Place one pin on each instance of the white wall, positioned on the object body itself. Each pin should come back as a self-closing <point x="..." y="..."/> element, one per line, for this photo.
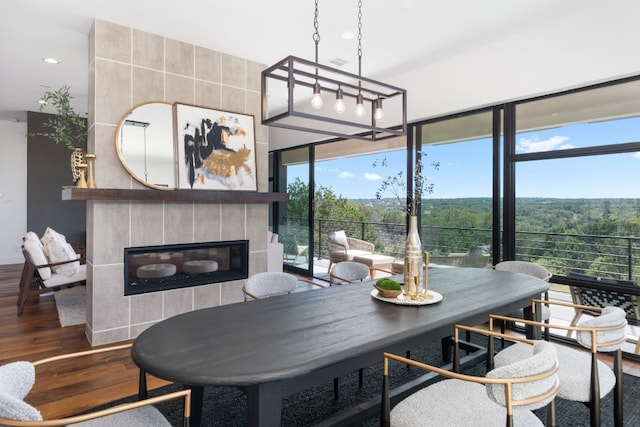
<point x="13" y="190"/>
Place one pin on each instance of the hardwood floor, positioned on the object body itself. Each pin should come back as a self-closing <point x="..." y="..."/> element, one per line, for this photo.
<point x="66" y="388"/>
<point x="62" y="388"/>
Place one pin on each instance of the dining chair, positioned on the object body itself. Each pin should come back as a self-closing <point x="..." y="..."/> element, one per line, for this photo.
<point x="348" y="272"/>
<point x="18" y="378"/>
<point x="583" y="377"/>
<point x="505" y="396"/>
<point x="530" y="269"/>
<point x="272" y="283"/>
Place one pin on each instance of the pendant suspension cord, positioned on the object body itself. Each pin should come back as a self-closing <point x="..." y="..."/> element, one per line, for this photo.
<point x="359" y="45"/>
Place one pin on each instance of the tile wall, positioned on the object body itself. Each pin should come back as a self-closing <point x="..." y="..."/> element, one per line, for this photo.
<point x="128" y="67"/>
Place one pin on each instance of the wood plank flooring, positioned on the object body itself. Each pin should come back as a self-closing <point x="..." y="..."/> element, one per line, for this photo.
<point x="62" y="388"/>
<point x="66" y="388"/>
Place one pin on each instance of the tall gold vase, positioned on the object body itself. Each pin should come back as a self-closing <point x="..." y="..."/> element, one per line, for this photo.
<point x="77" y="159"/>
<point x="413" y="260"/>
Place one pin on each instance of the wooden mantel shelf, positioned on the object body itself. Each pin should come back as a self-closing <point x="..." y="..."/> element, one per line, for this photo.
<point x="115" y="194"/>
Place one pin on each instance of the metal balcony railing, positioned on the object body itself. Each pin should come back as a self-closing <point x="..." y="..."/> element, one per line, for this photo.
<point x="616" y="257"/>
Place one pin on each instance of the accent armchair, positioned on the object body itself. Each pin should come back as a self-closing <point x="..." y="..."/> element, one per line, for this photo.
<point x="39" y="275"/>
<point x="343" y="248"/>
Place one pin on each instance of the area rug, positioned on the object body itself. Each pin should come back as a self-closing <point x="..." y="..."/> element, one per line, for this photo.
<point x="70" y="303"/>
<point x="226" y="406"/>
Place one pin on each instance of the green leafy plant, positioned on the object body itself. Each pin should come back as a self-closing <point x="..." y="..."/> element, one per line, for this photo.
<point x="409" y="201"/>
<point x="66" y="126"/>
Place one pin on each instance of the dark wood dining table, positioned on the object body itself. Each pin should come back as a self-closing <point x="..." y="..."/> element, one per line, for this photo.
<point x="274" y="347"/>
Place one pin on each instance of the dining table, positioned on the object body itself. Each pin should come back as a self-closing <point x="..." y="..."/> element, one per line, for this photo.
<point x="274" y="347"/>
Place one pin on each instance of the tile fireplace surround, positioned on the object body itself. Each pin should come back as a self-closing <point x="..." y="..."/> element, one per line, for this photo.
<point x="126" y="68"/>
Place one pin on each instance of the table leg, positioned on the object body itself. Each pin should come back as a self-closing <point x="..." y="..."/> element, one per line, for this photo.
<point x="142" y="385"/>
<point x="533" y="332"/>
<point x="264" y="404"/>
<point x="197" y="396"/>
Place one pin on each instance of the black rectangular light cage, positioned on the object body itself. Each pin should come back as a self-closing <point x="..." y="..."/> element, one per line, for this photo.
<point x="288" y="85"/>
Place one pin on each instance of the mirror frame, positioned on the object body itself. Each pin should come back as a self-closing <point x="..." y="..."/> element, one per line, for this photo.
<point x="131" y="173"/>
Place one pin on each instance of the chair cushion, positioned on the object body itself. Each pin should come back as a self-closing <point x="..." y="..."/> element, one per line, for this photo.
<point x="145" y="416"/>
<point x="30" y="235"/>
<point x="573" y="371"/>
<point x="544" y="357"/>
<point x="57" y="249"/>
<point x="36" y="254"/>
<point x="456" y="403"/>
<point x="339" y="237"/>
<point x="16" y="380"/>
<point x="60" y="279"/>
<point x="610" y="316"/>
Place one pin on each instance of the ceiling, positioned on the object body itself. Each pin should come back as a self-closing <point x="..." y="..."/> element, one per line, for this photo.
<point x="396" y="35"/>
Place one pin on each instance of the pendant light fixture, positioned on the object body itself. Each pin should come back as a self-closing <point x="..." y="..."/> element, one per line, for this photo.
<point x="301" y="84"/>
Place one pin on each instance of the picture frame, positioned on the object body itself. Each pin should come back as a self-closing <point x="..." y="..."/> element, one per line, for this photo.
<point x="215" y="149"/>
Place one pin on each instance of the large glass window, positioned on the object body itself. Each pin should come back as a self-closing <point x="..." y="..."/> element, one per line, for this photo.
<point x="457" y="217"/>
<point x="294" y="225"/>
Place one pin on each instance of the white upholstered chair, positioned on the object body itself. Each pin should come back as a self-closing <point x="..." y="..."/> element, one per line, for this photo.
<point x="530" y="269"/>
<point x="583" y="377"/>
<point x="273" y="283"/>
<point x="348" y="272"/>
<point x="505" y="396"/>
<point x="17" y="379"/>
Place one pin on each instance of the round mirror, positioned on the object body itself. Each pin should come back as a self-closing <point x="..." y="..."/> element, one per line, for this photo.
<point x="144" y="143"/>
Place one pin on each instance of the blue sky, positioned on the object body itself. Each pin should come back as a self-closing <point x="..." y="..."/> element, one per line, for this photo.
<point x="465" y="168"/>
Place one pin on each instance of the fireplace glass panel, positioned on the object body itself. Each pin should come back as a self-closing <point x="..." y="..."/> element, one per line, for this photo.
<point x="159" y="268"/>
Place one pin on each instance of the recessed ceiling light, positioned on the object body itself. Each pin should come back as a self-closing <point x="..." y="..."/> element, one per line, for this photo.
<point x="347" y="35"/>
<point x="51" y="60"/>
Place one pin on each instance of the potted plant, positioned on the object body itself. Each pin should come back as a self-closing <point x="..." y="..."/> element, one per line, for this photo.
<point x="66" y="126"/>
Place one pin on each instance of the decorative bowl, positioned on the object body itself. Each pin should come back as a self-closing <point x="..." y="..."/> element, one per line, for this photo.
<point x="386" y="293"/>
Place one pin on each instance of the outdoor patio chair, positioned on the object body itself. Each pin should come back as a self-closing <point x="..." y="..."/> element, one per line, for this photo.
<point x="583" y="377"/>
<point x="343" y="248"/>
<point x="292" y="250"/>
<point x="506" y="395"/>
<point x="17" y="379"/>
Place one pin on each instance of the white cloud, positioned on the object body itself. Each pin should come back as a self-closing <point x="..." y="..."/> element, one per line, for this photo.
<point x="534" y="145"/>
<point x="372" y="177"/>
<point x="346" y="175"/>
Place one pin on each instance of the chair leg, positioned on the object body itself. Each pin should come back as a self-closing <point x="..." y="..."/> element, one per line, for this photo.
<point x="360" y="377"/>
<point x="617" y="397"/>
<point x="594" y="404"/>
<point x="336" y="387"/>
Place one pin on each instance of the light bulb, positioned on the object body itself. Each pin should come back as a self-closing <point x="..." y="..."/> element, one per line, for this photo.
<point x="316" y="99"/>
<point x="379" y="113"/>
<point x="339" y="106"/>
<point x="360" y="105"/>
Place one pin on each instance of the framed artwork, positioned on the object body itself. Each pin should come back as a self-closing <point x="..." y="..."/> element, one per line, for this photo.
<point x="216" y="149"/>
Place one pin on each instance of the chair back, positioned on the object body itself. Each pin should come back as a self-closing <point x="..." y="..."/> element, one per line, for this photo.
<point x="524" y="267"/>
<point x="539" y="383"/>
<point x="268" y="284"/>
<point x="348" y="272"/>
<point x="612" y="323"/>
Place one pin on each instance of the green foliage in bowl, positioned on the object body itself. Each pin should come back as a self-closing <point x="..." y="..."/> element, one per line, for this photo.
<point x="388" y="284"/>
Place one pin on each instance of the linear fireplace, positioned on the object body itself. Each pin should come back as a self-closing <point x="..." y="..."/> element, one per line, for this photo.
<point x="159" y="268"/>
